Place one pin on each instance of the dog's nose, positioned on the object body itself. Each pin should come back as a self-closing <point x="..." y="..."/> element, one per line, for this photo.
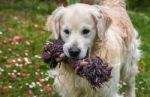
<point x="74" y="51"/>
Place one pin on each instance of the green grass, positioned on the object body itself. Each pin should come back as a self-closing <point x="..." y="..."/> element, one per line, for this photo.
<point x="141" y="21"/>
<point x="28" y="21"/>
<point x="29" y="24"/>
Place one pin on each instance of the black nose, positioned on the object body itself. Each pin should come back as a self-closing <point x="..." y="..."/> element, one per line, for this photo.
<point x="74" y="51"/>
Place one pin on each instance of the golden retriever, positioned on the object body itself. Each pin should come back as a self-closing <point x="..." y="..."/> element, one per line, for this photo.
<point x="96" y="30"/>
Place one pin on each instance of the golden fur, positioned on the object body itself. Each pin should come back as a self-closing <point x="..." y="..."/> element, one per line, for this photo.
<point x="118" y="46"/>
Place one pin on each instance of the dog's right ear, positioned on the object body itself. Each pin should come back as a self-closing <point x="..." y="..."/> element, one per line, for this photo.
<point x="102" y="20"/>
<point x="53" y="22"/>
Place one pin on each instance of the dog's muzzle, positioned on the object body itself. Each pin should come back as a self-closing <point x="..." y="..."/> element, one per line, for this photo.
<point x="74" y="52"/>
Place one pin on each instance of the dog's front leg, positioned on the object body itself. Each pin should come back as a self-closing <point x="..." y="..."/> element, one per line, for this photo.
<point x="130" y="80"/>
<point x="115" y="81"/>
<point x="130" y="92"/>
<point x="111" y="88"/>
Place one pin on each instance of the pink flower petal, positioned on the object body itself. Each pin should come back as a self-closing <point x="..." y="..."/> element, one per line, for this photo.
<point x="16" y="38"/>
<point x="46" y="88"/>
<point x="41" y="81"/>
<point x="30" y="92"/>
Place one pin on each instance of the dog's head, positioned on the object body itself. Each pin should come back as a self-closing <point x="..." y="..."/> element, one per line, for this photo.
<point x="77" y="25"/>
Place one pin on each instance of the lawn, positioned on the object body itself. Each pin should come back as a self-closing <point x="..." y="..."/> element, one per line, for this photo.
<point x="22" y="36"/>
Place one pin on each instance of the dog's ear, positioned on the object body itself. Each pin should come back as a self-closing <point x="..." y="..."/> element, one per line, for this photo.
<point x="53" y="22"/>
<point x="103" y="21"/>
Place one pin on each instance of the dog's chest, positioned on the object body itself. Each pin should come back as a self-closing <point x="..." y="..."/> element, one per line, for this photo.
<point x="68" y="84"/>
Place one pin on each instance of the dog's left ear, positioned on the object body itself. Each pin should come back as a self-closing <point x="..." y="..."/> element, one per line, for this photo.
<point x="103" y="22"/>
<point x="53" y="22"/>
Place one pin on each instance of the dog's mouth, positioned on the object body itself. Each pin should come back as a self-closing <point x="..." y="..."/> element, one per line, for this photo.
<point x="87" y="54"/>
<point x="93" y="69"/>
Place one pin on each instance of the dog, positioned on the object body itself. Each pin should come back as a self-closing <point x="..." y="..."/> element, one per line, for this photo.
<point x="103" y="30"/>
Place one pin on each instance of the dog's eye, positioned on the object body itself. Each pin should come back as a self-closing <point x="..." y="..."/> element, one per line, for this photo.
<point x="67" y="31"/>
<point x="85" y="31"/>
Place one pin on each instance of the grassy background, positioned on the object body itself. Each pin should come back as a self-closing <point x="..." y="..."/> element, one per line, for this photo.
<point x="21" y="70"/>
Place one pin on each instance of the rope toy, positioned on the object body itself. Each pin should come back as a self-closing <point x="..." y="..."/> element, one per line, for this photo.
<point x="94" y="70"/>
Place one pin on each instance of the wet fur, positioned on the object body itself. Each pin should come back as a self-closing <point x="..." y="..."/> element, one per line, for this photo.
<point x="118" y="47"/>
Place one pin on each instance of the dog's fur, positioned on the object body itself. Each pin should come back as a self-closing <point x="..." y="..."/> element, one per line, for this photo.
<point x="112" y="37"/>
